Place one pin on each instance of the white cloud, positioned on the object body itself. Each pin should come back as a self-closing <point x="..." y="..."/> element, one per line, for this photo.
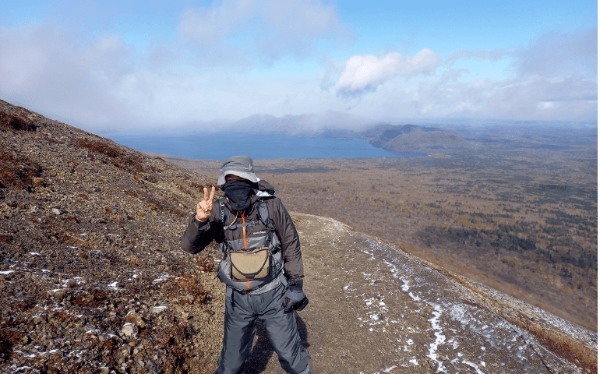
<point x="365" y="73"/>
<point x="560" y="55"/>
<point x="439" y="97"/>
<point x="99" y="82"/>
<point x="545" y="99"/>
<point x="264" y="31"/>
<point x="232" y="60"/>
<point x="211" y="25"/>
<point x="556" y="77"/>
<point x="103" y="86"/>
<point x="45" y="67"/>
<point x="553" y="78"/>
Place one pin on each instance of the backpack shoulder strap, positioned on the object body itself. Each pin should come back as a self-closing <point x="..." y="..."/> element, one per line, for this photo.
<point x="263" y="214"/>
<point x="221" y="210"/>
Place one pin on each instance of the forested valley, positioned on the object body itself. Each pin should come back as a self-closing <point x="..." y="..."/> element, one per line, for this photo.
<point x="516" y="211"/>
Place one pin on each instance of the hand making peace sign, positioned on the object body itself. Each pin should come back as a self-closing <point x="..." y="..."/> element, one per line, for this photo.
<point x="204" y="207"/>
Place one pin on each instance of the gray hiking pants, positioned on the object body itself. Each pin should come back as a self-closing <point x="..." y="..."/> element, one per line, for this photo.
<point x="241" y="313"/>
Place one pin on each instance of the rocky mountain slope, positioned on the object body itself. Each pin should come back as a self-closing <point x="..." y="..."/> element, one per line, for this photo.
<point x="93" y="280"/>
<point x="92" y="277"/>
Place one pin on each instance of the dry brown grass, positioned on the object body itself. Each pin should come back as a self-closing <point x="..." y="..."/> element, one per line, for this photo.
<point x="563" y="346"/>
<point x="18" y="172"/>
<point x="113" y="152"/>
<point x="16" y="122"/>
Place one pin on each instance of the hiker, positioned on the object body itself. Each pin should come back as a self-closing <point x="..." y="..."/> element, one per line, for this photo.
<point x="261" y="267"/>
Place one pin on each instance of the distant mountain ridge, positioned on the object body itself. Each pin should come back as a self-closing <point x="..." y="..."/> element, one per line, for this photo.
<point x="395" y="138"/>
<point x="441" y="138"/>
<point x="413" y="138"/>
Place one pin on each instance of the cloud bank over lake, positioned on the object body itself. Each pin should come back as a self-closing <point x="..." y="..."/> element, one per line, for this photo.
<point x="111" y="65"/>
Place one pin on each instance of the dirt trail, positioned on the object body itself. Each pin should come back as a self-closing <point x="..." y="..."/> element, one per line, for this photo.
<point x="373" y="312"/>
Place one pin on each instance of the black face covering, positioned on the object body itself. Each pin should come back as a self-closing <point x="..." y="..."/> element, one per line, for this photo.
<point x="239" y="193"/>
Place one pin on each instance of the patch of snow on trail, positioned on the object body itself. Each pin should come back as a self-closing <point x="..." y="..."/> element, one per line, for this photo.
<point x="405" y="286"/>
<point x="377" y="309"/>
<point x="414" y="297"/>
<point x="393" y="269"/>
<point x="440" y="338"/>
<point x="474" y="366"/>
<point x="405" y="283"/>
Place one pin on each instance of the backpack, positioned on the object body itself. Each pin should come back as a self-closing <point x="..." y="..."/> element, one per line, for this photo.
<point x="249" y="265"/>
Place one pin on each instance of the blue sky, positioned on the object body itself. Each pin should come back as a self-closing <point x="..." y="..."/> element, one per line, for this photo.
<point x="110" y="65"/>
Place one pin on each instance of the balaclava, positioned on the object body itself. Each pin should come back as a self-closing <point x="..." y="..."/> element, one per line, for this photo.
<point x="239" y="193"/>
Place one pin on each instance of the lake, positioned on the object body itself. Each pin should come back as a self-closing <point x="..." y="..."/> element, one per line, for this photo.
<point x="258" y="146"/>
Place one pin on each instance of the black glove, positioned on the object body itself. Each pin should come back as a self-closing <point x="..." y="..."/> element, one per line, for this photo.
<point x="294" y="297"/>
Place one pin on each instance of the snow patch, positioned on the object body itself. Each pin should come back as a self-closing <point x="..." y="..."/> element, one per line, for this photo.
<point x="113" y="285"/>
<point x="158" y="309"/>
<point x="474" y="366"/>
<point x="393" y="269"/>
<point x="405" y="286"/>
<point x="414" y="297"/>
<point x="376" y="311"/>
<point x="160" y="279"/>
<point x="440" y="338"/>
